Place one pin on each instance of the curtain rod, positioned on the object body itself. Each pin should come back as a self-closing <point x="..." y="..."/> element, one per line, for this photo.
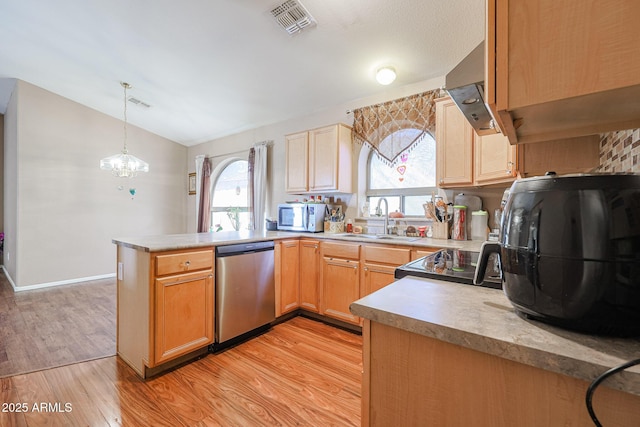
<point x="267" y="143"/>
<point x="441" y="89"/>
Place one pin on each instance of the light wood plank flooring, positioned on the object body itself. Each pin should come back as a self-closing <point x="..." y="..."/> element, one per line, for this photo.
<point x="300" y="373"/>
<point x="52" y="327"/>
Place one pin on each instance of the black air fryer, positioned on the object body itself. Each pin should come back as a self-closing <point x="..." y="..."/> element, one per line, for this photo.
<point x="570" y="251"/>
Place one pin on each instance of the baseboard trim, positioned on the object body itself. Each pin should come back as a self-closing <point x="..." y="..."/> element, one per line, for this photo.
<point x="53" y="284"/>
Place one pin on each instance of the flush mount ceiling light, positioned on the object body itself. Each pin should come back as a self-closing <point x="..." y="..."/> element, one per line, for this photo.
<point x="293" y="17"/>
<point x="386" y="75"/>
<point x="124" y="165"/>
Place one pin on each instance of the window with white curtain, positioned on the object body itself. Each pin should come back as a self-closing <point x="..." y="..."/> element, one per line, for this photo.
<point x="229" y="198"/>
<point x="409" y="182"/>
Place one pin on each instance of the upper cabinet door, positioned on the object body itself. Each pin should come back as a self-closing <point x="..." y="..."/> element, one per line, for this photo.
<point x="321" y="158"/>
<point x="297" y="158"/>
<point x="324" y="158"/>
<point x="560" y="69"/>
<point x="495" y="159"/>
<point x="454" y="138"/>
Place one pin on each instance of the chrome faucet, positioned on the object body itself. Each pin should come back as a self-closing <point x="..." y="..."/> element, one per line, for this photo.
<point x="386" y="214"/>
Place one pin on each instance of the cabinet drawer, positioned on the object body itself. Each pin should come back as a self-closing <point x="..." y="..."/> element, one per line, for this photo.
<point x="387" y="255"/>
<point x="183" y="261"/>
<point x="340" y="250"/>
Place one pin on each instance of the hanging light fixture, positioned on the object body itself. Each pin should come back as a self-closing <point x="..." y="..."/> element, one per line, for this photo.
<point x="124" y="165"/>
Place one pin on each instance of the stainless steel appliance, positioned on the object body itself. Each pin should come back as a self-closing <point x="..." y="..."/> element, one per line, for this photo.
<point x="465" y="84"/>
<point x="569" y="248"/>
<point x="307" y="217"/>
<point x="451" y="265"/>
<point x="245" y="290"/>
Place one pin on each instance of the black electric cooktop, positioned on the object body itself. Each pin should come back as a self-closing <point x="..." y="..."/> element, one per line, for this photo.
<point x="452" y="265"/>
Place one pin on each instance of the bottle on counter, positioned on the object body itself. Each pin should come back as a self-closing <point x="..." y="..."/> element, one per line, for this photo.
<point x="349" y="226"/>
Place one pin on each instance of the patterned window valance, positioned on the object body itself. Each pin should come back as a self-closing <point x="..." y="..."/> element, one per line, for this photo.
<point x="377" y="125"/>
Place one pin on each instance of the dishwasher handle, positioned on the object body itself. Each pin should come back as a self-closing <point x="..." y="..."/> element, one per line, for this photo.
<point x="243" y="248"/>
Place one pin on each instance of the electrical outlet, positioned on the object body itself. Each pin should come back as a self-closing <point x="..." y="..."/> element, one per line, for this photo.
<point x="8" y="256"/>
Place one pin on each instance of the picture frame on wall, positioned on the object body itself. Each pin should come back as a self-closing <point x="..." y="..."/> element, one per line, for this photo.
<point x="192" y="183"/>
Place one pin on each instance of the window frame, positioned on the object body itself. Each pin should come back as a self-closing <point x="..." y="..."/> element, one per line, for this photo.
<point x="219" y="171"/>
<point x="402" y="193"/>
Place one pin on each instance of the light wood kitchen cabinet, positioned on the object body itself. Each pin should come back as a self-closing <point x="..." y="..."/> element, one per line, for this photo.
<point x="379" y="266"/>
<point x="296" y="173"/>
<point x="419" y="253"/>
<point x="466" y="159"/>
<point x="573" y="155"/>
<point x="326" y="276"/>
<point x="496" y="161"/>
<point x="166" y="304"/>
<point x="340" y="280"/>
<point x="289" y="276"/>
<point x="547" y="79"/>
<point x="454" y="142"/>
<point x="440" y="383"/>
<point x="309" y="274"/>
<point x="319" y="160"/>
<point x="183" y="314"/>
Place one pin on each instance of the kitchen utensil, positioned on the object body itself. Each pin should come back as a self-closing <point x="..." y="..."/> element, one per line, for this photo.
<point x="430" y="211"/>
<point x="569" y="251"/>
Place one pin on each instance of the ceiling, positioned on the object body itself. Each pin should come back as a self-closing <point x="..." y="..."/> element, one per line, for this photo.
<point x="211" y="68"/>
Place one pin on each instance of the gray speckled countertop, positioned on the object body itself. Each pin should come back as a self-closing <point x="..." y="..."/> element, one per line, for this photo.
<point x="171" y="242"/>
<point x="483" y="319"/>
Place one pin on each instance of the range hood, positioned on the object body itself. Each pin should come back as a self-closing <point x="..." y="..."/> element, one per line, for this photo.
<point x="465" y="84"/>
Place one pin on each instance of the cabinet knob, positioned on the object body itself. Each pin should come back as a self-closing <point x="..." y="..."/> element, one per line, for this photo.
<point x="187" y="263"/>
<point x="366" y="269"/>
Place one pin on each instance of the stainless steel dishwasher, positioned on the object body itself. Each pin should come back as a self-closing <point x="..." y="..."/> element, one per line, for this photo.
<point x="245" y="289"/>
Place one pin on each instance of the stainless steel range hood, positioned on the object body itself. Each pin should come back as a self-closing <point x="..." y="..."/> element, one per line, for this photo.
<point x="465" y="84"/>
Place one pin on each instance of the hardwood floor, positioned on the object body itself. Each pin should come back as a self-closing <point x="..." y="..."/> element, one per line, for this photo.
<point x="52" y="327"/>
<point x="300" y="373"/>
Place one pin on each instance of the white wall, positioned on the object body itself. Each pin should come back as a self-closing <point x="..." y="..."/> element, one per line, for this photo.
<point x="276" y="132"/>
<point x="10" y="193"/>
<point x="1" y="173"/>
<point x="61" y="210"/>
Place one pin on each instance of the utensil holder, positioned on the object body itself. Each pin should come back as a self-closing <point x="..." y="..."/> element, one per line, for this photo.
<point x="336" y="227"/>
<point x="440" y="230"/>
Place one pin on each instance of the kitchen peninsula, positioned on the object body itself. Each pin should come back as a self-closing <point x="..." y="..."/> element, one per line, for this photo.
<point x="166" y="285"/>
<point x="442" y="353"/>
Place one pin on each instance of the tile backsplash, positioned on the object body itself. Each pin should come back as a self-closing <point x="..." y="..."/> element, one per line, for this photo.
<point x="620" y="151"/>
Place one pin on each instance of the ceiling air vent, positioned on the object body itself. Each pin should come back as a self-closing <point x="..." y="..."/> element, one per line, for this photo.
<point x="138" y="102"/>
<point x="293" y="17"/>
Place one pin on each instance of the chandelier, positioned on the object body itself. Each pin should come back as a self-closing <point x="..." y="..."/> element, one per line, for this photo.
<point x="124" y="165"/>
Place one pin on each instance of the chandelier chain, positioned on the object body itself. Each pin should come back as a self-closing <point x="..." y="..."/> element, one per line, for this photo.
<point x="125" y="86"/>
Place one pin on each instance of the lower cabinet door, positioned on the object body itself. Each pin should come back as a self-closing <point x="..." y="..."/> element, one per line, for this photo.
<point x="309" y="273"/>
<point x="340" y="287"/>
<point x="376" y="277"/>
<point x="184" y="315"/>
<point x="289" y="276"/>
